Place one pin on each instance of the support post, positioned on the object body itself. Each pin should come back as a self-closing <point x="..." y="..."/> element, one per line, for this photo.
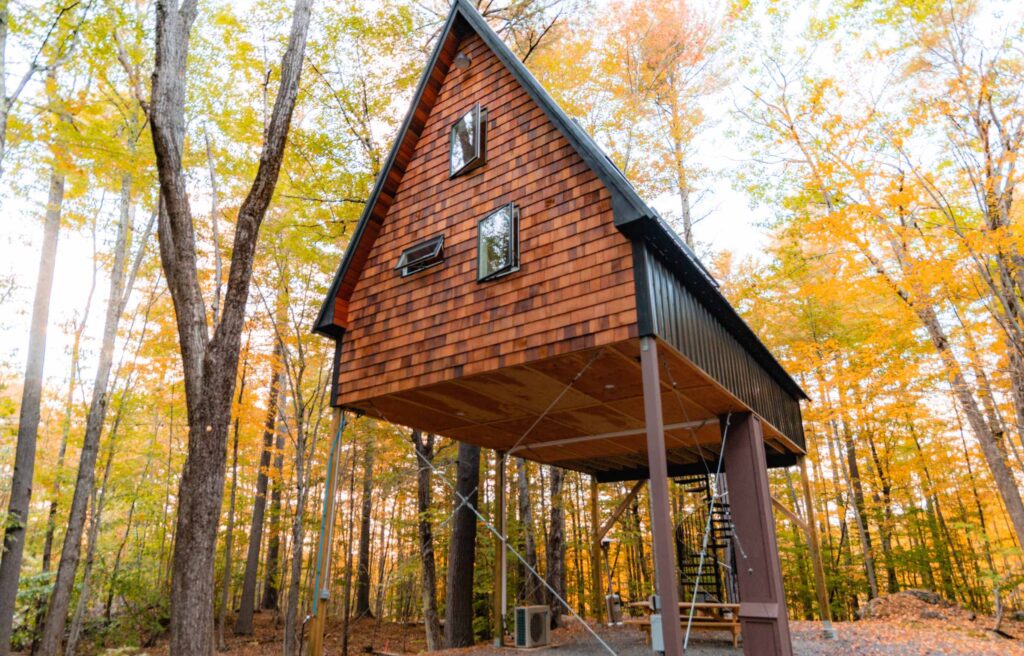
<point x="597" y="598"/>
<point x="321" y="592"/>
<point x="661" y="517"/>
<point x="812" y="539"/>
<point x="762" y="599"/>
<point x="499" y="551"/>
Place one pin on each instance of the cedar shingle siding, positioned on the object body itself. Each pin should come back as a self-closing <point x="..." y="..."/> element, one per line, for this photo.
<point x="575" y="285"/>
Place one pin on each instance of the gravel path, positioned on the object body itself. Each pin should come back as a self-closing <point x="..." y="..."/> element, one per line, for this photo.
<point x="855" y="639"/>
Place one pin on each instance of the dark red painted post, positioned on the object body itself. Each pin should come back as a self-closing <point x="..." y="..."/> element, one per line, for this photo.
<point x="661" y="517"/>
<point x="762" y="599"/>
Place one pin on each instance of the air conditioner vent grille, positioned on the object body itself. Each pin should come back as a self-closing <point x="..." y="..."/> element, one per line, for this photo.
<point x="532" y="625"/>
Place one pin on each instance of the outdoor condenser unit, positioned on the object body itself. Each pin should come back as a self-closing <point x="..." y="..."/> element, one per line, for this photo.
<point x="532" y="625"/>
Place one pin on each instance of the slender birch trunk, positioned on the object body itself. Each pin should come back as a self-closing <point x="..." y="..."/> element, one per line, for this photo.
<point x="60" y="599"/>
<point x="28" y="417"/>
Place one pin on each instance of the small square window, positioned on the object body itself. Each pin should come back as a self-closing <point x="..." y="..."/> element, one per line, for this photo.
<point x="467" y="141"/>
<point x="421" y="256"/>
<point x="498" y="243"/>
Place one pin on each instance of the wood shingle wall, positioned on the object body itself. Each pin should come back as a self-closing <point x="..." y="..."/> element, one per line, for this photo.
<point x="575" y="287"/>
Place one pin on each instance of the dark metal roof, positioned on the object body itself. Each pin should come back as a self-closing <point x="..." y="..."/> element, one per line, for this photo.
<point x="633" y="216"/>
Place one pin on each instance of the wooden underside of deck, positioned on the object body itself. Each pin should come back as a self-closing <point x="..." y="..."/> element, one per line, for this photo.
<point x="595" y="425"/>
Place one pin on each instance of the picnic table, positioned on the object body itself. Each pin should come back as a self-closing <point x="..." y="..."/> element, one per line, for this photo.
<point x="710" y="616"/>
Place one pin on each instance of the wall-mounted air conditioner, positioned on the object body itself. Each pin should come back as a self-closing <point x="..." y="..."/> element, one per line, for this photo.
<point x="532" y="625"/>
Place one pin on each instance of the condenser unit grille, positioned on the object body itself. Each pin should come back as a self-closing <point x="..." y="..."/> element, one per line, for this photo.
<point x="537" y="627"/>
<point x="532" y="623"/>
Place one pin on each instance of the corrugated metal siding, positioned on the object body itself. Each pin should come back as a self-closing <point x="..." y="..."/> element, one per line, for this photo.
<point x="682" y="321"/>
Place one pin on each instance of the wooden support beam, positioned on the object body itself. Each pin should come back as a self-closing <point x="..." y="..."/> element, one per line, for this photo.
<point x="666" y="582"/>
<point x="621" y="508"/>
<point x="790" y="514"/>
<point x="687" y="425"/>
<point x="321" y="592"/>
<point x="812" y="539"/>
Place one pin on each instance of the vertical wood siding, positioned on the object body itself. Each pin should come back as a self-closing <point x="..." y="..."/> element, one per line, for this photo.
<point x="575" y="286"/>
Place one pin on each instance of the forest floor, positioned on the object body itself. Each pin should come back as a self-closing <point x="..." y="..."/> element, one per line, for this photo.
<point x="895" y="625"/>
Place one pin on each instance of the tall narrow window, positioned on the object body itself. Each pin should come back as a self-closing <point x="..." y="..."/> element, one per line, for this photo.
<point x="467" y="141"/>
<point x="498" y="243"/>
<point x="421" y="256"/>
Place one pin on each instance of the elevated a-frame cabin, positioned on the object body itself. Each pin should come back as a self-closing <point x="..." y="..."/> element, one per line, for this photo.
<point x="507" y="287"/>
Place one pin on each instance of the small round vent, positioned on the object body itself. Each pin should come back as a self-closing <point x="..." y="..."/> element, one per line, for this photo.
<point x="536" y="627"/>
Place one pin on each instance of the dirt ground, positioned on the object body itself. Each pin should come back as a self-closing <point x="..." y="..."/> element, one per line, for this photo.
<point x="896" y="625"/>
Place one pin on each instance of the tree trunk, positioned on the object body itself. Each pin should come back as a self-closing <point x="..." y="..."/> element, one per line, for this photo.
<point x="292" y="631"/>
<point x="806" y="592"/>
<point x="382" y="570"/>
<point x="209" y="364"/>
<point x="532" y="590"/>
<point x="270" y="578"/>
<point x="857" y="489"/>
<point x="60" y="599"/>
<point x="28" y="417"/>
<point x="346" y="601"/>
<point x="643" y="566"/>
<point x="425" y="454"/>
<point x="987" y="439"/>
<point x="363" y="568"/>
<point x="98" y="503"/>
<point x="112" y="580"/>
<point x="885" y="526"/>
<point x="556" y="547"/>
<point x="229" y="539"/>
<point x="243" y="623"/>
<point x="65" y="428"/>
<point x="458" y="611"/>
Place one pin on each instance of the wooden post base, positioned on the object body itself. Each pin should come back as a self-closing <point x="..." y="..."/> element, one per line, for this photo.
<point x="762" y="598"/>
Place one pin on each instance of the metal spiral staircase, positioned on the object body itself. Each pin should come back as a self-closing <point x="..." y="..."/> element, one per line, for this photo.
<point x="716" y="579"/>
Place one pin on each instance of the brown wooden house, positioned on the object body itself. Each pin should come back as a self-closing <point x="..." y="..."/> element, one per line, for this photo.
<point x="506" y="286"/>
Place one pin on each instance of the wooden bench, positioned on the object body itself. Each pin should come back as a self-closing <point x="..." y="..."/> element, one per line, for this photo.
<point x="707" y="616"/>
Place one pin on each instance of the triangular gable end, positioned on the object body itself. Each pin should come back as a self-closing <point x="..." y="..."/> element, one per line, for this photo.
<point x="631" y="215"/>
<point x="462" y="19"/>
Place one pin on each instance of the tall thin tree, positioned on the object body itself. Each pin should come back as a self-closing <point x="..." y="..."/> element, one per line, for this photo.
<point x="424" y="445"/>
<point x="210" y="362"/>
<point x="458" y="611"/>
<point x="247" y="605"/>
<point x="363" y="566"/>
<point x="28" y="417"/>
<point x="556" y="547"/>
<point x="121" y="283"/>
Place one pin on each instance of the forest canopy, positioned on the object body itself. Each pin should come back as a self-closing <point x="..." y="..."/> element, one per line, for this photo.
<point x="847" y="172"/>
